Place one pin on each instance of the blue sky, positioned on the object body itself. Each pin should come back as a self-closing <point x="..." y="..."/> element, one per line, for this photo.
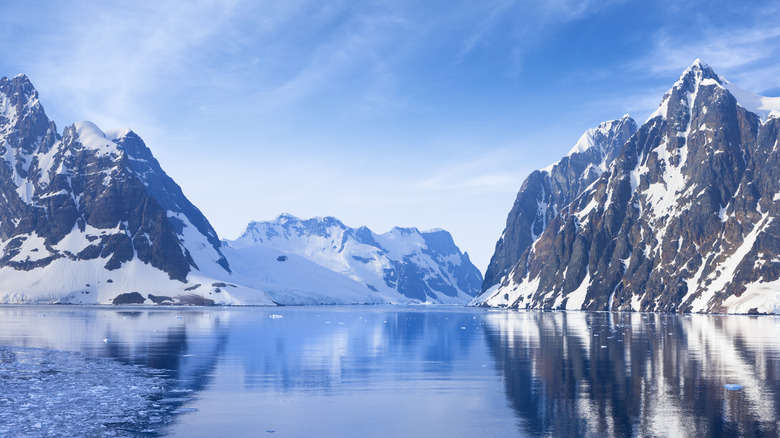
<point x="381" y="113"/>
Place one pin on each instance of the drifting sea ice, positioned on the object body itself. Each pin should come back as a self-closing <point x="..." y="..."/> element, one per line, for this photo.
<point x="59" y="393"/>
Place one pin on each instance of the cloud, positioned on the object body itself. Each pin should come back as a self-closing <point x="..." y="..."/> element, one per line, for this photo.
<point x="108" y="61"/>
<point x="747" y="54"/>
<point x="526" y="22"/>
<point x="495" y="171"/>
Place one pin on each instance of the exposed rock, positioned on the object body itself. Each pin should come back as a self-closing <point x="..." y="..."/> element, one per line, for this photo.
<point x="129" y="298"/>
<point x="85" y="185"/>
<point x="195" y="300"/>
<point x="160" y="299"/>
<point x="683" y="220"/>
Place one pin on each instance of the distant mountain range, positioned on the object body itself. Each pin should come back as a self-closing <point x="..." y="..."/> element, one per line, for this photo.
<point x="677" y="215"/>
<point x="398" y="266"/>
<point x="89" y="216"/>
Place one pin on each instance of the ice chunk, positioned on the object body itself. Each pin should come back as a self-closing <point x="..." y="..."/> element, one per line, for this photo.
<point x="60" y="393"/>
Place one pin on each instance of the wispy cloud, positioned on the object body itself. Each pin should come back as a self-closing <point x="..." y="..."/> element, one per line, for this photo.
<point x="746" y="53"/>
<point x="495" y="171"/>
<point x="101" y="61"/>
<point x="525" y="22"/>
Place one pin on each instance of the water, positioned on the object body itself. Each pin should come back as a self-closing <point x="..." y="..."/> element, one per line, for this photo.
<point x="384" y="372"/>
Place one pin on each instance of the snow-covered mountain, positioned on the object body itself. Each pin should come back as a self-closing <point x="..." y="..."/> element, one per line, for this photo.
<point x="88" y="216"/>
<point x="545" y="192"/>
<point x="683" y="218"/>
<point x="402" y="265"/>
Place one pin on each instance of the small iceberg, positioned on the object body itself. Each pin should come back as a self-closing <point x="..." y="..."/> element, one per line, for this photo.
<point x="733" y="386"/>
<point x="275" y="316"/>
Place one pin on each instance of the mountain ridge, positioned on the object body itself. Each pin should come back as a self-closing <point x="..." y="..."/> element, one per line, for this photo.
<point x="682" y="220"/>
<point x="89" y="216"/>
<point x="402" y="264"/>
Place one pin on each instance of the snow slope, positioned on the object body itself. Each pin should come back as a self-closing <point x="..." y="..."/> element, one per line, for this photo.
<point x="403" y="265"/>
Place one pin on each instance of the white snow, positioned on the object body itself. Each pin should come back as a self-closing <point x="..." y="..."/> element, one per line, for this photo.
<point x="724" y="273"/>
<point x="295" y="280"/>
<point x="577" y="296"/>
<point x="115" y="134"/>
<point x="584" y="143"/>
<point x="91" y="137"/>
<point x="331" y="245"/>
<point x="762" y="296"/>
<point x="765" y="107"/>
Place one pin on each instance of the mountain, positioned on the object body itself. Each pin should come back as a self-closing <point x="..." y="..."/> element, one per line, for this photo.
<point x="545" y="192"/>
<point x="402" y="265"/>
<point x="682" y="220"/>
<point x="88" y="216"/>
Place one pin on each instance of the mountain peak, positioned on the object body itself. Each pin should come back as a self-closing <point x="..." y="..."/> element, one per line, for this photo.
<point x="18" y="96"/>
<point x="286" y="217"/>
<point x="402" y="265"/>
<point x="589" y="138"/>
<point x="18" y="84"/>
<point x="700" y="71"/>
<point x="687" y="88"/>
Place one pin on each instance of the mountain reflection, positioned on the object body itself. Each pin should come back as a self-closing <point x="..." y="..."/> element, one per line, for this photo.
<point x="326" y="349"/>
<point x="601" y="374"/>
<point x="433" y="371"/>
<point x="155" y="342"/>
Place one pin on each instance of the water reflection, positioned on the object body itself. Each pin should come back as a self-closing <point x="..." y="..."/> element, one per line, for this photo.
<point x="378" y="371"/>
<point x="152" y="349"/>
<point x="322" y="349"/>
<point x="601" y="374"/>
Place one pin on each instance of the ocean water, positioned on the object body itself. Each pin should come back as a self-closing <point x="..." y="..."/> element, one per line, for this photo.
<point x="378" y="371"/>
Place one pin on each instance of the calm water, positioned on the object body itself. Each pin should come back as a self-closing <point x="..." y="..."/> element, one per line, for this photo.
<point x="384" y="372"/>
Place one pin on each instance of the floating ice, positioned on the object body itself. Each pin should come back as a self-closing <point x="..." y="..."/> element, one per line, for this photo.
<point x="106" y="340"/>
<point x="275" y="316"/>
<point x="60" y="393"/>
<point x="178" y="316"/>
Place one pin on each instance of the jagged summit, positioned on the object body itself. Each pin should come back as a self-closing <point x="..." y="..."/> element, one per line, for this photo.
<point x="545" y="192"/>
<point x="594" y="137"/>
<point x="684" y="219"/>
<point x="683" y="93"/>
<point x="86" y="207"/>
<point x="402" y="265"/>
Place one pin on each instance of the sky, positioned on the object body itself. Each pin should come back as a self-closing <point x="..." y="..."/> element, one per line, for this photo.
<point x="380" y="113"/>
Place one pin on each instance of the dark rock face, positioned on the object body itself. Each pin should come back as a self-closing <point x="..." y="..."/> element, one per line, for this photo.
<point x="423" y="266"/>
<point x="129" y="298"/>
<point x="195" y="300"/>
<point x="105" y="189"/>
<point x="545" y="192"/>
<point x="160" y="299"/>
<point x="683" y="221"/>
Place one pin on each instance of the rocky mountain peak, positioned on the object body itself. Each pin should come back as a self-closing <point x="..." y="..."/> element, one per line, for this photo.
<point x="683" y="221"/>
<point x="19" y="91"/>
<point x="679" y="101"/>
<point x="23" y="123"/>
<point x="545" y="192"/>
<point x="89" y="205"/>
